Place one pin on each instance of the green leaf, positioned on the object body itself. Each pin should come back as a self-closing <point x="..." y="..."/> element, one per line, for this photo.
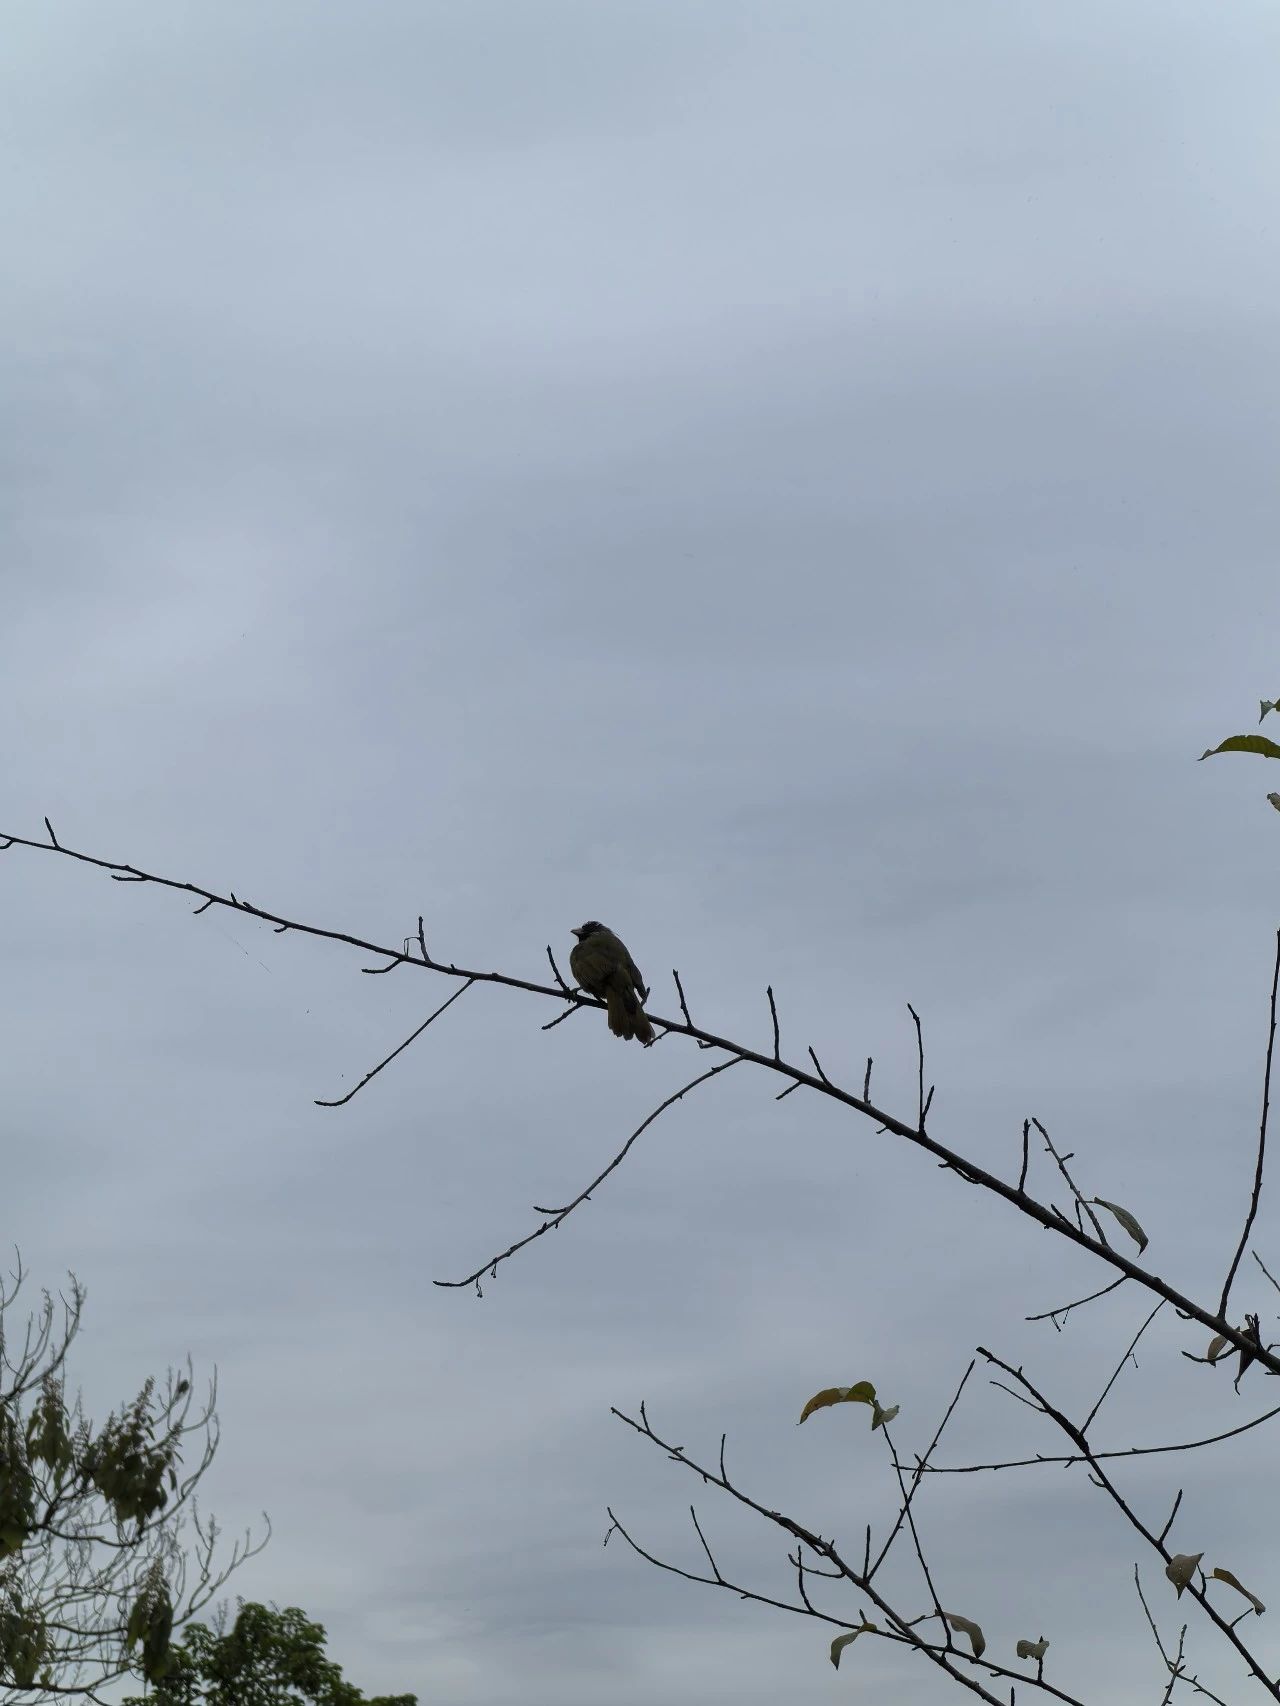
<point x="1244" y="743"/>
<point x="862" y="1393"/>
<point x="1127" y="1221"/>
<point x="1231" y="1581"/>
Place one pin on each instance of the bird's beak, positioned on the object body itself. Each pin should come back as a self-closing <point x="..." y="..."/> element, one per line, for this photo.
<point x="576" y="932"/>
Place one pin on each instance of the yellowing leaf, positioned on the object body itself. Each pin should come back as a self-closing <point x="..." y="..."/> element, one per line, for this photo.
<point x="1231" y="1581"/>
<point x="1217" y="1345"/>
<point x="840" y="1643"/>
<point x="880" y="1417"/>
<point x="1127" y="1221"/>
<point x="1181" y="1568"/>
<point x="863" y="1393"/>
<point x="964" y="1626"/>
<point x="1033" y="1649"/>
<point x="1245" y="743"/>
<point x="846" y="1640"/>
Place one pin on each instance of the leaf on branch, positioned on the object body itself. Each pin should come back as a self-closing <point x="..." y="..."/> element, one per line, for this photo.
<point x="1244" y="743"/>
<point x="843" y="1641"/>
<point x="1181" y="1567"/>
<point x="1217" y="1345"/>
<point x="1275" y="800"/>
<point x="1033" y="1649"/>
<point x="1268" y="705"/>
<point x="880" y="1417"/>
<point x="1127" y="1221"/>
<point x="863" y="1393"/>
<point x="1232" y="1582"/>
<point x="965" y="1626"/>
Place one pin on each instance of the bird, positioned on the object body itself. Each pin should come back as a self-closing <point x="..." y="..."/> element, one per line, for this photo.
<point x="604" y="968"/>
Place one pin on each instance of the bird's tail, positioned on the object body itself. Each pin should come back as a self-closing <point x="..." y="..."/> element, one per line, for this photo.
<point x="627" y="1018"/>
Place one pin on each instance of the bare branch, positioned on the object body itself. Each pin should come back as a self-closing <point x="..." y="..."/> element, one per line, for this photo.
<point x="1133" y="1344"/>
<point x="557" y="1216"/>
<point x="1262" y="1139"/>
<point x="684" y="1008"/>
<point x="920" y="1101"/>
<point x="1064" y="1309"/>
<point x="1103" y="1481"/>
<point x="564" y="987"/>
<point x="1258" y="1259"/>
<point x="918" y="1473"/>
<point x="1043" y="1214"/>
<point x="954" y="1662"/>
<point x="341" y="1101"/>
<point x="1127" y="1451"/>
<point x="1082" y="1203"/>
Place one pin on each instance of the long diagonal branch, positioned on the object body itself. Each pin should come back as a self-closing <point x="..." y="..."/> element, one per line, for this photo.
<point x="957" y="1664"/>
<point x="1101" y="1479"/>
<point x="818" y="1081"/>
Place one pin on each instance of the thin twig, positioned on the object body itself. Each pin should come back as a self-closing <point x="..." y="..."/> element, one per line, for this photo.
<point x="918" y="1473"/>
<point x="1082" y="1204"/>
<point x="920" y="1103"/>
<point x="1064" y="1309"/>
<point x="817" y="1065"/>
<point x="554" y="967"/>
<point x="557" y="1216"/>
<point x="1262" y="1137"/>
<point x="1133" y="1345"/>
<point x="947" y="1657"/>
<point x="1164" y="1532"/>
<point x="684" y="1008"/>
<point x="561" y="1017"/>
<point x="1041" y="1459"/>
<point x="1101" y="1480"/>
<point x="341" y="1101"/>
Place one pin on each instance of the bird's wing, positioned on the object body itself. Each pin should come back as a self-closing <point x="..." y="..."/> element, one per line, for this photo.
<point x="578" y="964"/>
<point x="633" y="971"/>
<point x="594" y="963"/>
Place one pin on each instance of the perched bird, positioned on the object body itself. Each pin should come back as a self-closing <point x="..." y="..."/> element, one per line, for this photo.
<point x="604" y="968"/>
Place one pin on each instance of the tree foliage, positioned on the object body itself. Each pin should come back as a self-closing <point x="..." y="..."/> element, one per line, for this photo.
<point x="96" y="1564"/>
<point x="268" y="1657"/>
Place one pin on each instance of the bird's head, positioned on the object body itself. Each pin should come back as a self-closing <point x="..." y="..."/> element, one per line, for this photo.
<point x="590" y="928"/>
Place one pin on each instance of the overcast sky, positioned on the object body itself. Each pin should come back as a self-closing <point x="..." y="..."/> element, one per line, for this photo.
<point x="796" y="482"/>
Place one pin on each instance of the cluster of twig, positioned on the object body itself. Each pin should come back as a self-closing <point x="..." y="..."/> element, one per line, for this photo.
<point x="1079" y="1224"/>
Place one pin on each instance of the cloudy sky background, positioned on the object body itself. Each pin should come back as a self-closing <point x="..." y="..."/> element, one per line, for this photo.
<point x="795" y="482"/>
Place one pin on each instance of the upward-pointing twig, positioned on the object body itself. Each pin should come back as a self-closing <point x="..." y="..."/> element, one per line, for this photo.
<point x="1262" y="1138"/>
